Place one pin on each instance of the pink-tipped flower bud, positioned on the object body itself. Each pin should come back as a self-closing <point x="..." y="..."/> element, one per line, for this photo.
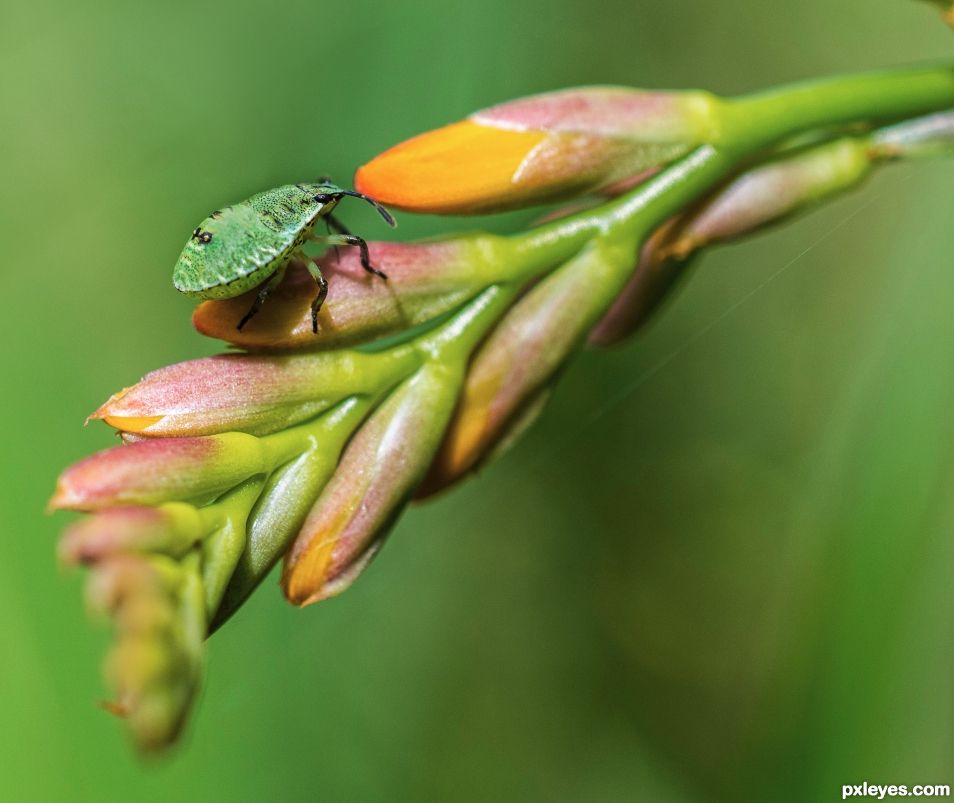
<point x="156" y="471"/>
<point x="171" y="529"/>
<point x="255" y="394"/>
<point x="425" y="280"/>
<point x="772" y="192"/>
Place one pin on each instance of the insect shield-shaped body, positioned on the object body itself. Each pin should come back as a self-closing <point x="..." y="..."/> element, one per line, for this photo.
<point x="250" y="244"/>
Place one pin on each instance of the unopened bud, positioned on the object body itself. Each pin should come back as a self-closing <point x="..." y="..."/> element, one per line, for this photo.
<point x="539" y="149"/>
<point x="257" y="394"/>
<point x="519" y="359"/>
<point x="425" y="280"/>
<point x="170" y="529"/>
<point x="379" y="471"/>
<point x="162" y="470"/>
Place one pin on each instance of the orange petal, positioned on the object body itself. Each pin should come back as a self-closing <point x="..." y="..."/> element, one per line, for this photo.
<point x="460" y="168"/>
<point x="136" y="424"/>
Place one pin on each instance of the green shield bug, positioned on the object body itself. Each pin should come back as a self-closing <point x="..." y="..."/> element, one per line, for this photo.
<point x="250" y="244"/>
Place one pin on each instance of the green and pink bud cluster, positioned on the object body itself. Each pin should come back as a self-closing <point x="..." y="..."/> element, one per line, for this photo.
<point x="308" y="447"/>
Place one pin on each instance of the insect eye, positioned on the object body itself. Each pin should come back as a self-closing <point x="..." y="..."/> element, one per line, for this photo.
<point x="322" y="198"/>
<point x="202" y="236"/>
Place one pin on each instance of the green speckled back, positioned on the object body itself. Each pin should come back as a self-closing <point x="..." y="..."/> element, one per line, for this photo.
<point x="237" y="248"/>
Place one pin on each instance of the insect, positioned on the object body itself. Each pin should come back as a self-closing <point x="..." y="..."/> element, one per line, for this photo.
<point x="250" y="244"/>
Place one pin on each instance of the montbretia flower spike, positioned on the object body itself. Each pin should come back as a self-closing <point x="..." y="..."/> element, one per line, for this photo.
<point x="308" y="446"/>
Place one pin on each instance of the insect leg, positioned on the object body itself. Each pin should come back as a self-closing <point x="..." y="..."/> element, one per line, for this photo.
<point x="336" y="225"/>
<point x="263" y="292"/>
<point x="334" y="247"/>
<point x="322" y="282"/>
<point x="352" y="239"/>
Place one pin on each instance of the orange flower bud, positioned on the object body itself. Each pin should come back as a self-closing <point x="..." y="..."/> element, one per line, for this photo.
<point x="539" y="149"/>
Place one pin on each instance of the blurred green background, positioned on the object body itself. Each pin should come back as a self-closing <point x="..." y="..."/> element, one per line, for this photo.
<point x="718" y="569"/>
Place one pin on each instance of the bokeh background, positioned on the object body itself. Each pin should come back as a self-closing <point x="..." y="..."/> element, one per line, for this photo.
<point x="719" y="569"/>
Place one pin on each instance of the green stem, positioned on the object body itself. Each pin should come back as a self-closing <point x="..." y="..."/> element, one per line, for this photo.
<point x="760" y="119"/>
<point x="750" y="125"/>
<point x="272" y="522"/>
<point x="455" y="339"/>
<point x="223" y="548"/>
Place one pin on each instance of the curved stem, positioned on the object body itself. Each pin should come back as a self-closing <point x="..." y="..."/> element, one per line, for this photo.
<point x="762" y="118"/>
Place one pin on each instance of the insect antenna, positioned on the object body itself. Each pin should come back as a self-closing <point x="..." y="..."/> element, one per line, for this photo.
<point x="388" y="217"/>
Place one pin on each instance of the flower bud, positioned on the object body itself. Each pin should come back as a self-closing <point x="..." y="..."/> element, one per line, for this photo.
<point x="256" y="394"/>
<point x="153" y="689"/>
<point x="773" y="191"/>
<point x="520" y="358"/>
<point x="930" y="135"/>
<point x="425" y="280"/>
<point x="539" y="149"/>
<point x="286" y="500"/>
<point x="154" y="665"/>
<point x="171" y="529"/>
<point x="115" y="581"/>
<point x="380" y="469"/>
<point x="759" y="197"/>
<point x="161" y="470"/>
